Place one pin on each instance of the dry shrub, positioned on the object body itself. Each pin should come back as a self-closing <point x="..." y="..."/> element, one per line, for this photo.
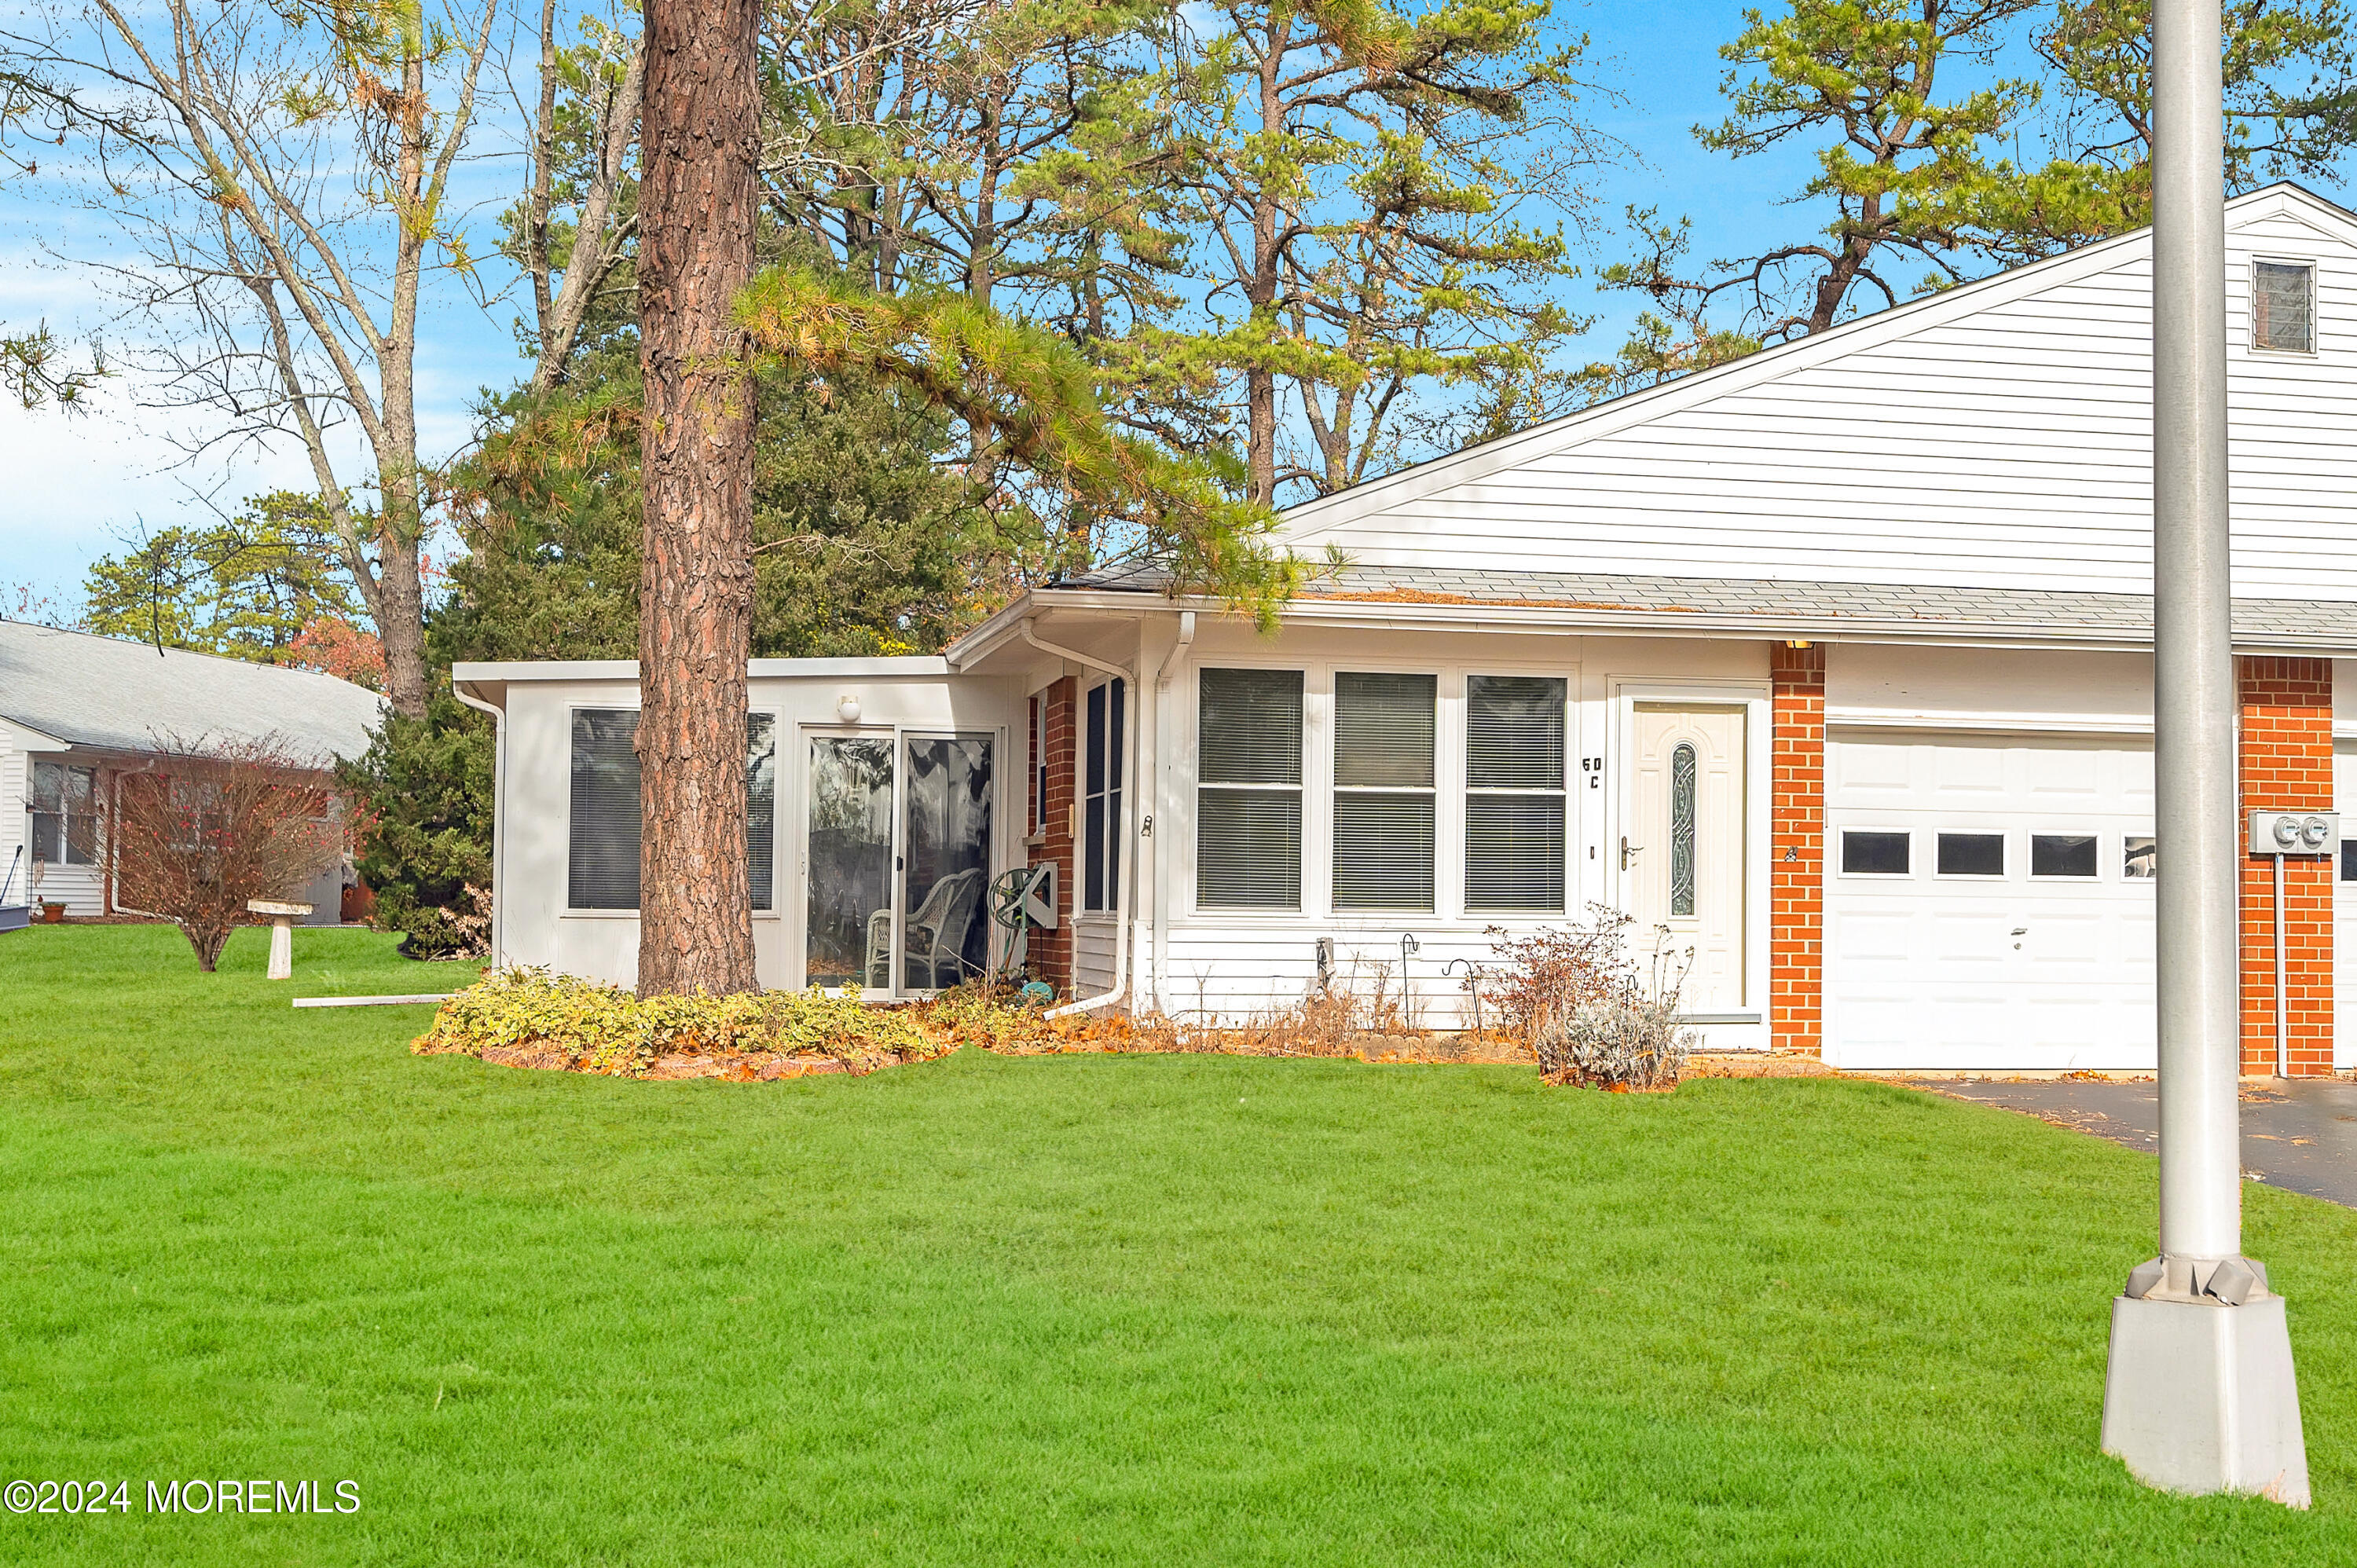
<point x="1574" y="994"/>
<point x="215" y="825"/>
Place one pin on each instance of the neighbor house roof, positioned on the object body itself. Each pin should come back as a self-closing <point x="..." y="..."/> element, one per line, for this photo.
<point x="112" y="695"/>
<point x="1721" y="606"/>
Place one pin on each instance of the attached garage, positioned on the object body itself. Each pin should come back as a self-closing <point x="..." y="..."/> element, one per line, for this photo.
<point x="1988" y="900"/>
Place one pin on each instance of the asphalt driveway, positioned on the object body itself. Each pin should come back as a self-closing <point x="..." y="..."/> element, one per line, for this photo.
<point x="2300" y="1135"/>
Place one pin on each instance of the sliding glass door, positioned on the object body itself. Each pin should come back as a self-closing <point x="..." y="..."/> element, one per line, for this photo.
<point x="849" y="934"/>
<point x="900" y="861"/>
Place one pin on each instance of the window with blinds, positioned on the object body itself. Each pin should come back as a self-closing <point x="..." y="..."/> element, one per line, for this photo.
<point x="1248" y="793"/>
<point x="2283" y="306"/>
<point x="1101" y="796"/>
<point x="1383" y="728"/>
<point x="1515" y="792"/>
<point x="602" y="848"/>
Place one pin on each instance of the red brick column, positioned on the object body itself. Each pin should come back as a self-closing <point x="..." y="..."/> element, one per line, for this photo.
<point x="1051" y="951"/>
<point x="1796" y="850"/>
<point x="2286" y="764"/>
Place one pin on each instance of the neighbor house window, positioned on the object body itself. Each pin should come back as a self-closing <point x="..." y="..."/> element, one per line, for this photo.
<point x="2348" y="860"/>
<point x="1100" y="797"/>
<point x="1867" y="853"/>
<point x="1515" y="747"/>
<point x="2283" y="306"/>
<point x="1972" y="855"/>
<point x="2062" y="855"/>
<point x="602" y="851"/>
<point x="1383" y="809"/>
<point x="1248" y="796"/>
<point x="65" y="814"/>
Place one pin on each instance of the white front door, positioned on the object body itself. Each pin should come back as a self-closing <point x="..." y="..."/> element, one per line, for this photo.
<point x="1682" y="855"/>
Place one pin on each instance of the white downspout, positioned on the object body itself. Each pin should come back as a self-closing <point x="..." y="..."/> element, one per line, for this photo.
<point x="498" y="817"/>
<point x="1128" y="811"/>
<point x="1159" y="967"/>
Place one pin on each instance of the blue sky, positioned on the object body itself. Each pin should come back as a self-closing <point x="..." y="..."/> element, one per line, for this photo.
<point x="77" y="484"/>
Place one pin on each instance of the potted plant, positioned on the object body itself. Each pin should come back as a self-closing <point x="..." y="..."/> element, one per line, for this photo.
<point x="52" y="914"/>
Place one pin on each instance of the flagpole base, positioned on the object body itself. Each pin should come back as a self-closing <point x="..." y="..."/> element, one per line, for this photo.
<point x="2200" y="1395"/>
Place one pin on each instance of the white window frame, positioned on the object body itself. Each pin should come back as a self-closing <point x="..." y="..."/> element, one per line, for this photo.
<point x="2315" y="307"/>
<point x="65" y="815"/>
<point x="1334" y="788"/>
<point x="2102" y="841"/>
<point x="1316" y="714"/>
<point x="1840" y="836"/>
<point x="1983" y="878"/>
<point x="1122" y="865"/>
<point x="778" y="880"/>
<point x="1463" y="816"/>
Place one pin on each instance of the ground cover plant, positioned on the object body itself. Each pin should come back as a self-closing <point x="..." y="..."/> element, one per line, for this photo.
<point x="1093" y="1308"/>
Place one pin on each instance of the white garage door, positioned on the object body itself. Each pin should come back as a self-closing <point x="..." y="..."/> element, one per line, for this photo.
<point x="1988" y="902"/>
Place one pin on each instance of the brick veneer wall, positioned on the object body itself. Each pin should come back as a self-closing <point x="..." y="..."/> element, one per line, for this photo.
<point x="1796" y="841"/>
<point x="2286" y="764"/>
<point x="1051" y="951"/>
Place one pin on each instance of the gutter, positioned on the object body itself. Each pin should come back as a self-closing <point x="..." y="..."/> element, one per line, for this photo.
<point x="1157" y="911"/>
<point x="1128" y="811"/>
<point x="499" y="815"/>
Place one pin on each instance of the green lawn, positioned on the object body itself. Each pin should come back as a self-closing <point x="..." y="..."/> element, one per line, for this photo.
<point x="1092" y="1309"/>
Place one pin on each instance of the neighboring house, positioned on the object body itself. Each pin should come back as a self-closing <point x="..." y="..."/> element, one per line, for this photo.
<point x="78" y="711"/>
<point x="1832" y="665"/>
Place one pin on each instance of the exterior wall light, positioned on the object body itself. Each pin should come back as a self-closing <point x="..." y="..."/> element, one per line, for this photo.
<point x="846" y="708"/>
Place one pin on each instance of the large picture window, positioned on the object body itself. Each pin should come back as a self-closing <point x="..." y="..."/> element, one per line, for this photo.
<point x="1248" y="800"/>
<point x="1514" y="792"/>
<point x="65" y="814"/>
<point x="1383" y="790"/>
<point x="602" y="851"/>
<point x="1101" y="796"/>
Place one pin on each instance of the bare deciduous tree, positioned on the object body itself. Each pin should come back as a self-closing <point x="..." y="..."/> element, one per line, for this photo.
<point x="584" y="124"/>
<point x="215" y="825"/>
<point x="283" y="173"/>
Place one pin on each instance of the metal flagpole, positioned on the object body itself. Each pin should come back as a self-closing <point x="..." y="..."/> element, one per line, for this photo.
<point x="2200" y="1394"/>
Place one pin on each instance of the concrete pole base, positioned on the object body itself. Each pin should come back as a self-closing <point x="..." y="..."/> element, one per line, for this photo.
<point x="282" y="949"/>
<point x="2200" y="1395"/>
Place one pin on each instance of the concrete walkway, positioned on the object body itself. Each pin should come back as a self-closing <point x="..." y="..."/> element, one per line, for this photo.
<point x="2300" y="1134"/>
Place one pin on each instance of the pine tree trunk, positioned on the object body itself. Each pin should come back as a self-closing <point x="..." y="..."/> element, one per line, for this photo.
<point x="701" y="133"/>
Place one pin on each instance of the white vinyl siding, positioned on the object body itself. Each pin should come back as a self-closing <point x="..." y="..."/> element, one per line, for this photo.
<point x="1996" y="437"/>
<point x="1248" y="795"/>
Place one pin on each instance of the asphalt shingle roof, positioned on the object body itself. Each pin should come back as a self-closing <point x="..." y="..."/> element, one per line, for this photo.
<point x="2026" y="611"/>
<point x="126" y="697"/>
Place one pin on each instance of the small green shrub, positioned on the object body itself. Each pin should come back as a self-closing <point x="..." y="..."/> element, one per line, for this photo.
<point x="605" y="1029"/>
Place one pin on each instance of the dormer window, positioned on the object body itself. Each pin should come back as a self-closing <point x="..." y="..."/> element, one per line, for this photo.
<point x="2283" y="306"/>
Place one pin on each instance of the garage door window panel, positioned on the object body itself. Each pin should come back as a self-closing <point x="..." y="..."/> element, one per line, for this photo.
<point x="1975" y="854"/>
<point x="1871" y="852"/>
<point x="2068" y="855"/>
<point x="2141" y="857"/>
